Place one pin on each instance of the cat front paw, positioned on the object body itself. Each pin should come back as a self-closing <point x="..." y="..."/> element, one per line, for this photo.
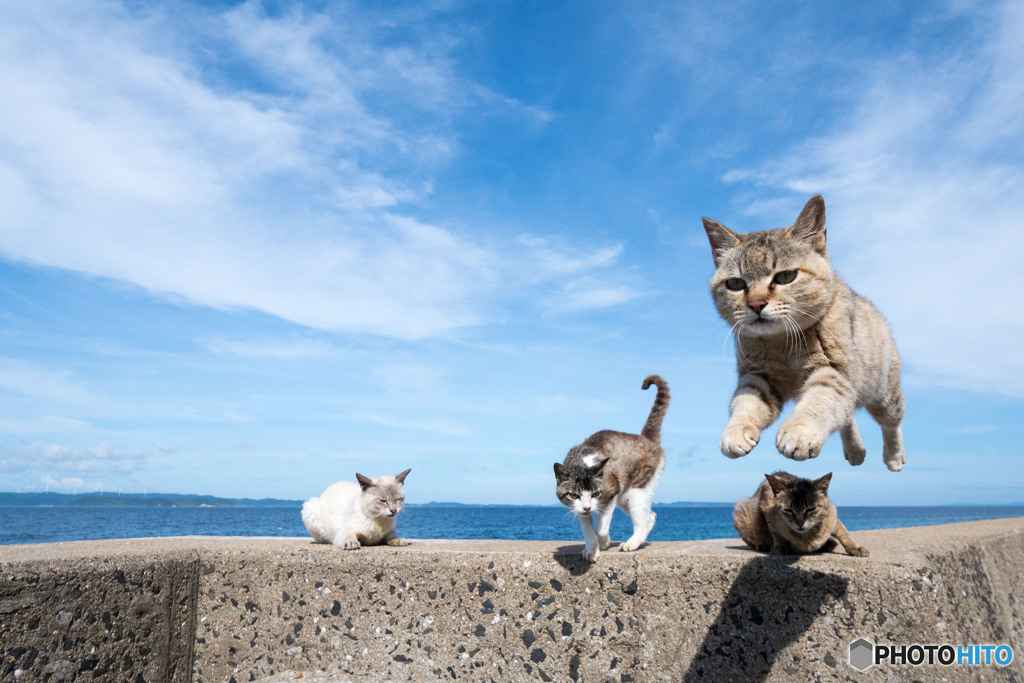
<point x="350" y="545"/>
<point x="397" y="541"/>
<point x="738" y="440"/>
<point x="604" y="542"/>
<point x="799" y="441"/>
<point x="591" y="552"/>
<point x="859" y="551"/>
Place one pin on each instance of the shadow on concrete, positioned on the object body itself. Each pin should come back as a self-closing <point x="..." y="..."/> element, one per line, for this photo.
<point x="770" y="605"/>
<point x="571" y="559"/>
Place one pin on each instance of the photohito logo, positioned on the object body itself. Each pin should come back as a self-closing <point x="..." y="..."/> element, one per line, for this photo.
<point x="864" y="654"/>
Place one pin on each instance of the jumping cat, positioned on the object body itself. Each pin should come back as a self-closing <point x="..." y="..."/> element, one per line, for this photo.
<point x="350" y="515"/>
<point x="801" y="333"/>
<point x="612" y="468"/>
<point x="788" y="514"/>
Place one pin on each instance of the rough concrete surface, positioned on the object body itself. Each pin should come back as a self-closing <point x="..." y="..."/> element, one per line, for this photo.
<point x="272" y="610"/>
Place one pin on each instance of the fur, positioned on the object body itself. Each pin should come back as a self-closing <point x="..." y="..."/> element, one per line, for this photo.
<point x="802" y="334"/>
<point x="788" y="514"/>
<point x="614" y="468"/>
<point x="350" y="514"/>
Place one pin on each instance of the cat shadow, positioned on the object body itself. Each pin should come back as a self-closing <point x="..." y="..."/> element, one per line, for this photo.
<point x="571" y="559"/>
<point x="769" y="606"/>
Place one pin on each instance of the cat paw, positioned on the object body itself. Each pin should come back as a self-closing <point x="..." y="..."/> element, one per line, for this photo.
<point x="854" y="455"/>
<point x="894" y="460"/>
<point x="799" y="441"/>
<point x="738" y="440"/>
<point x="629" y="546"/>
<point x="398" y="542"/>
<point x="860" y="551"/>
<point x="591" y="552"/>
<point x="604" y="542"/>
<point x="350" y="545"/>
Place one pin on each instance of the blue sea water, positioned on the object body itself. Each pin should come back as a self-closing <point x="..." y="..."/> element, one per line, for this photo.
<point x="65" y="523"/>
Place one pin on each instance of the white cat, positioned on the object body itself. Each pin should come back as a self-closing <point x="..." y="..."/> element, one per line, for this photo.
<point x="350" y="515"/>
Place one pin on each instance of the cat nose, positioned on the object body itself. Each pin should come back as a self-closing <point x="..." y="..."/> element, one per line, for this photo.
<point x="586" y="508"/>
<point x="757" y="305"/>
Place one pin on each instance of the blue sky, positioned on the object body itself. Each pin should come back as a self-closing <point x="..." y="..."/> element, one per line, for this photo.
<point x="248" y="249"/>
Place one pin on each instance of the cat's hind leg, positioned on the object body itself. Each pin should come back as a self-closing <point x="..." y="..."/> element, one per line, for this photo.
<point x="638" y="504"/>
<point x="853" y="447"/>
<point x="888" y="413"/>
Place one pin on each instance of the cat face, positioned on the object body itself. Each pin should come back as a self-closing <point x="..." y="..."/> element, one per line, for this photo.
<point x="383" y="496"/>
<point x="774" y="282"/>
<point x="802" y="503"/>
<point x="579" y="488"/>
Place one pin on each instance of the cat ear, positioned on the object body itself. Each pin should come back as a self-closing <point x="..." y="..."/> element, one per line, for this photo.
<point x="561" y="472"/>
<point x="810" y="225"/>
<point x="364" y="482"/>
<point x="776" y="483"/>
<point x="722" y="239"/>
<point x="598" y="467"/>
<point x="400" y="478"/>
<point x="822" y="484"/>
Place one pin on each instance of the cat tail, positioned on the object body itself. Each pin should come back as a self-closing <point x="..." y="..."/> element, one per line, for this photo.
<point x="312" y="517"/>
<point x="652" y="428"/>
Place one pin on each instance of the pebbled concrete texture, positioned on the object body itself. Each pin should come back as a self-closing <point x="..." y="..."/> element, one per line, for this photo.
<point x="271" y="610"/>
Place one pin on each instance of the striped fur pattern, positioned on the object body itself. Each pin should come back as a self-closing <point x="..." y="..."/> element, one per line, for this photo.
<point x="791" y="515"/>
<point x="802" y="334"/>
<point x="615" y="468"/>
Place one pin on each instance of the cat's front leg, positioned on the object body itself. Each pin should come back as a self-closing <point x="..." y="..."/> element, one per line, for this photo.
<point x="591" y="544"/>
<point x="346" y="540"/>
<point x="604" y="524"/>
<point x="827" y="403"/>
<point x="851" y="547"/>
<point x="754" y="407"/>
<point x="391" y="539"/>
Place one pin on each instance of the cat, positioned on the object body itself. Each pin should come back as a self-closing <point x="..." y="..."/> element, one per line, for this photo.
<point x="613" y="468"/>
<point x="350" y="515"/>
<point x="788" y="514"/>
<point x="801" y="333"/>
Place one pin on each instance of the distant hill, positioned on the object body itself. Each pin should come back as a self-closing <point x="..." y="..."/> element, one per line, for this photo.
<point x="105" y="499"/>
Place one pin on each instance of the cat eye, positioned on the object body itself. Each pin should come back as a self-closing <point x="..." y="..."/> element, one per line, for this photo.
<point x="785" y="277"/>
<point x="735" y="284"/>
<point x="788" y="511"/>
<point x="810" y="509"/>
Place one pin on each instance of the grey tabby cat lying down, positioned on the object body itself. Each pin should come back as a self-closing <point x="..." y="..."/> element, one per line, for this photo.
<point x="614" y="468"/>
<point x="801" y="333"/>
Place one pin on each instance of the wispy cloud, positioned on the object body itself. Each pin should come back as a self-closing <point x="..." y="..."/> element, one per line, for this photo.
<point x="30" y="379"/>
<point x="272" y="163"/>
<point x="442" y="426"/>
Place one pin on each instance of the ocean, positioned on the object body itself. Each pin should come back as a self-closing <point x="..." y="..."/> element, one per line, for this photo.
<point x="77" y="523"/>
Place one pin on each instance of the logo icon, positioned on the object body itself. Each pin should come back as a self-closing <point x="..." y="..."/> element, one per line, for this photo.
<point x="862" y="654"/>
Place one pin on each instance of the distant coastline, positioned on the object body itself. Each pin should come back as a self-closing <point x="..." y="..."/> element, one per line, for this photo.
<point x="110" y="499"/>
<point x="186" y="500"/>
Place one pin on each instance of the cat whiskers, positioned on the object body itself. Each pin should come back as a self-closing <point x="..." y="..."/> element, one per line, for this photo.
<point x="736" y="339"/>
<point x="795" y="337"/>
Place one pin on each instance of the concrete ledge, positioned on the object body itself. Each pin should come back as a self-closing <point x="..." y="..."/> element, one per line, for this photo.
<point x="217" y="609"/>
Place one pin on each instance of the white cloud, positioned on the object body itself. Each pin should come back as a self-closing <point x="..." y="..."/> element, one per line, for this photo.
<point x="267" y="162"/>
<point x="442" y="426"/>
<point x="29" y="379"/>
<point x="924" y="193"/>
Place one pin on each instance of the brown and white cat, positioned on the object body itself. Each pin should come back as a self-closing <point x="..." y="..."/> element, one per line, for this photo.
<point x="350" y="515"/>
<point x="788" y="514"/>
<point x="802" y="333"/>
<point x="614" y="468"/>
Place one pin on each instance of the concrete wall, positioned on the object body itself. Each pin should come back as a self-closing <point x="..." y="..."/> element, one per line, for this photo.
<point x="218" y="609"/>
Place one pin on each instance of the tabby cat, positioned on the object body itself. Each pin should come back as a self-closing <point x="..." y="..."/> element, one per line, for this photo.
<point x="801" y="333"/>
<point x="613" y="468"/>
<point x="788" y="514"/>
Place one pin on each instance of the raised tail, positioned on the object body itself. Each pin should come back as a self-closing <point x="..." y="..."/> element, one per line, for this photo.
<point x="652" y="428"/>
